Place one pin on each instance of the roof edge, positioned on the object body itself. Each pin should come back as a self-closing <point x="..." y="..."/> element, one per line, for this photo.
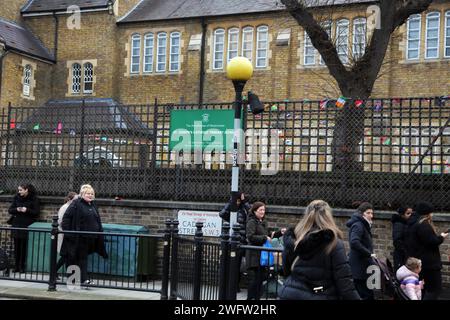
<point x="61" y="11"/>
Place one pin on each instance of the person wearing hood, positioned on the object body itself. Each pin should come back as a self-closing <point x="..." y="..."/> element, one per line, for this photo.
<point x="257" y="234"/>
<point x="361" y="248"/>
<point x="399" y="226"/>
<point x="314" y="259"/>
<point x="425" y="242"/>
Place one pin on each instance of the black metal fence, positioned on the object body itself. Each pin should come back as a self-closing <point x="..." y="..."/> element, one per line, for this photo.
<point x="175" y="267"/>
<point x="380" y="150"/>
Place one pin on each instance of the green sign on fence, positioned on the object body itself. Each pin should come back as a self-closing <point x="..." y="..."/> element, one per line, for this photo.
<point x="195" y="129"/>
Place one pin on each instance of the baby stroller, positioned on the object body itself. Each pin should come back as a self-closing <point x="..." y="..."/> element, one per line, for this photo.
<point x="390" y="286"/>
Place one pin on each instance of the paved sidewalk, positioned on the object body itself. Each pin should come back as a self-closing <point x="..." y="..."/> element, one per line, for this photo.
<point x="31" y="291"/>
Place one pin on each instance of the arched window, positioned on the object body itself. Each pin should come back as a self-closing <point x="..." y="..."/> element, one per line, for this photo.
<point x="432" y="35"/>
<point x="413" y="37"/>
<point x="262" y="46"/>
<point x="359" y="37"/>
<point x="88" y="78"/>
<point x="135" y="53"/>
<point x="342" y="39"/>
<point x="174" y="51"/>
<point x="247" y="43"/>
<point x="76" y="78"/>
<point x="233" y="43"/>
<point x="27" y="75"/>
<point x="447" y="35"/>
<point x="219" y="40"/>
<point x="161" y="53"/>
<point x="149" y="43"/>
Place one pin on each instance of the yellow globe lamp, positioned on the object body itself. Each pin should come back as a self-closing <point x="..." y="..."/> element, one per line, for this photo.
<point x="239" y="69"/>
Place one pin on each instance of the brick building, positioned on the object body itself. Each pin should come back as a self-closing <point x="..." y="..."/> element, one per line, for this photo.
<point x="133" y="51"/>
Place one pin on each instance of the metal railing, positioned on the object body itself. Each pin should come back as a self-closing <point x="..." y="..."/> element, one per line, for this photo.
<point x="379" y="150"/>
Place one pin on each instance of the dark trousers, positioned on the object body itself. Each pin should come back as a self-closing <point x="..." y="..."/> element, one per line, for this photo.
<point x="364" y="292"/>
<point x="20" y="253"/>
<point x="433" y="283"/>
<point x="255" y="279"/>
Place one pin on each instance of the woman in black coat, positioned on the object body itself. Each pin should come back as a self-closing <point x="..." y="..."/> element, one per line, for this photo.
<point x="257" y="234"/>
<point x="24" y="210"/>
<point x="314" y="259"/>
<point x="399" y="226"/>
<point x="82" y="215"/>
<point x="361" y="248"/>
<point x="425" y="246"/>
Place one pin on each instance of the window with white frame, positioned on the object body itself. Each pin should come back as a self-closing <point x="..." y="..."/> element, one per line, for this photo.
<point x="309" y="57"/>
<point x="262" y="44"/>
<point x="432" y="35"/>
<point x="174" y="52"/>
<point x="88" y="78"/>
<point x="447" y="35"/>
<point x="161" y="52"/>
<point x="359" y="37"/>
<point x="48" y="154"/>
<point x="342" y="36"/>
<point x="27" y="75"/>
<point x="219" y="41"/>
<point x="327" y="26"/>
<point x="413" y="37"/>
<point x="233" y="43"/>
<point x="76" y="78"/>
<point x="149" y="43"/>
<point x="247" y="43"/>
<point x="135" y="53"/>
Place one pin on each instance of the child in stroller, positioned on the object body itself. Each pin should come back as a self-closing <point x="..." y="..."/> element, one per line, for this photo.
<point x="390" y="286"/>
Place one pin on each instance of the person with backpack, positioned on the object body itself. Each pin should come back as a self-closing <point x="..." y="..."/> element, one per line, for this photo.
<point x="314" y="259"/>
<point x="425" y="242"/>
<point x="361" y="248"/>
<point x="24" y="210"/>
<point x="399" y="226"/>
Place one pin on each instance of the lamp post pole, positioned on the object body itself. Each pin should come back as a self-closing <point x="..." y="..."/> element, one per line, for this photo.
<point x="239" y="70"/>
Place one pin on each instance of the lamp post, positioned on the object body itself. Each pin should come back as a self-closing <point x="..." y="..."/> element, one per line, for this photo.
<point x="239" y="70"/>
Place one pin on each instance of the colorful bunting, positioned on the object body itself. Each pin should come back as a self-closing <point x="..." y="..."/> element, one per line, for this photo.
<point x="378" y="106"/>
<point x="340" y="103"/>
<point x="72" y="132"/>
<point x="359" y="103"/>
<point x="274" y="107"/>
<point x="37" y="126"/>
<point x="323" y="104"/>
<point x="12" y="125"/>
<point x="58" y="128"/>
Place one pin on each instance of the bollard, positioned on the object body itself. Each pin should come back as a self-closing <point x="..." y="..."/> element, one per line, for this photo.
<point x="198" y="260"/>
<point x="53" y="254"/>
<point x="224" y="260"/>
<point x="166" y="261"/>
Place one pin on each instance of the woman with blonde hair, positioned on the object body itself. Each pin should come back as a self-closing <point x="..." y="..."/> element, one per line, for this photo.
<point x="82" y="215"/>
<point x="314" y="259"/>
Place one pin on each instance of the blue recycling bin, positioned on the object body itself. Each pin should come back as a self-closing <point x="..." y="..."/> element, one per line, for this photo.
<point x="128" y="256"/>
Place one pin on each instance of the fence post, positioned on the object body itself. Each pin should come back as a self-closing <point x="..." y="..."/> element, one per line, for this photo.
<point x="166" y="261"/>
<point x="53" y="254"/>
<point x="174" y="263"/>
<point x="223" y="268"/>
<point x="234" y="262"/>
<point x="8" y="134"/>
<point x="198" y="260"/>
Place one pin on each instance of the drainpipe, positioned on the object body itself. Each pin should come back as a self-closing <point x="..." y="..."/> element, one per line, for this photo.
<point x="202" y="62"/>
<point x="55" y="17"/>
<point x="3" y="53"/>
